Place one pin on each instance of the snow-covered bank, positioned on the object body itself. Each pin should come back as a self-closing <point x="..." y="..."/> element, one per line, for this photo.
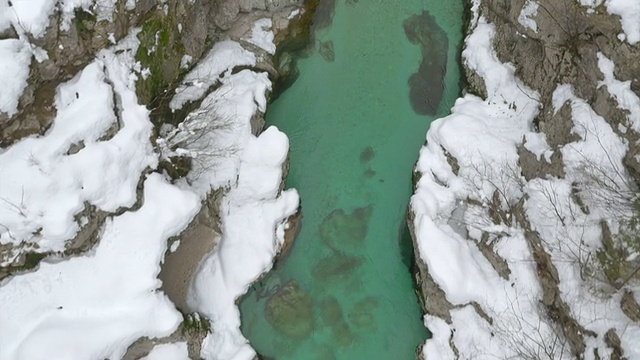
<point x="102" y="151"/>
<point x="47" y="180"/>
<point x="248" y="244"/>
<point x="253" y="212"/>
<point x="94" y="306"/>
<point x="510" y="225"/>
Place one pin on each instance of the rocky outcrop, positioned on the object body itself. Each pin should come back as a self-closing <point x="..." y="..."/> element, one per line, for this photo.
<point x="67" y="51"/>
<point x="170" y="31"/>
<point x="564" y="50"/>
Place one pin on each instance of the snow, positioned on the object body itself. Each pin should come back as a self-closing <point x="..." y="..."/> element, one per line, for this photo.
<point x="185" y="61"/>
<point x="452" y="215"/>
<point x="94" y="306"/>
<point x="216" y="65"/>
<point x="227" y="155"/>
<point x="215" y="134"/>
<point x="629" y="12"/>
<point x="43" y="186"/>
<point x="599" y="151"/>
<point x="591" y="3"/>
<point x="293" y="14"/>
<point x="91" y="306"/>
<point x="15" y="58"/>
<point x="247" y="248"/>
<point x="537" y="144"/>
<point x="251" y="169"/>
<point x="32" y="16"/>
<point x="262" y="36"/>
<point x="529" y="10"/>
<point x="620" y="91"/>
<point x="455" y="263"/>
<point x="174" y="246"/>
<point x="130" y="5"/>
<point x="97" y="151"/>
<point x="175" y="351"/>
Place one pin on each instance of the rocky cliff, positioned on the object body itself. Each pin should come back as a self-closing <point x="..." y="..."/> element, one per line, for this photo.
<point x="525" y="206"/>
<point x="137" y="127"/>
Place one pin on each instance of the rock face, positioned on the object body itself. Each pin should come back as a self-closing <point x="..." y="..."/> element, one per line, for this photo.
<point x="567" y="48"/>
<point x="183" y="27"/>
<point x="564" y="50"/>
<point x="173" y="38"/>
<point x="290" y="311"/>
<point x="174" y="35"/>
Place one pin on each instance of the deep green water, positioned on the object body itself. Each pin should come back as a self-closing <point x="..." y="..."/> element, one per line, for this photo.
<point x="345" y="291"/>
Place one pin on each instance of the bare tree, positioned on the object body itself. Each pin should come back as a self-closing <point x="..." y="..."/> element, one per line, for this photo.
<point x="199" y="139"/>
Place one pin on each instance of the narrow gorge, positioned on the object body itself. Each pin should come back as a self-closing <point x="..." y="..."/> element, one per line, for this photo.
<point x="319" y="179"/>
<point x="356" y="120"/>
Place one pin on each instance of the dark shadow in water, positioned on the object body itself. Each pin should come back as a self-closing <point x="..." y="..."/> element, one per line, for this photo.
<point x="336" y="266"/>
<point x="346" y="232"/>
<point x="331" y="314"/>
<point x="369" y="173"/>
<point x="323" y="15"/>
<point x="330" y="311"/>
<point x="406" y="246"/>
<point x="299" y="41"/>
<point x="290" y="311"/>
<point x="367" y="154"/>
<point x="426" y="86"/>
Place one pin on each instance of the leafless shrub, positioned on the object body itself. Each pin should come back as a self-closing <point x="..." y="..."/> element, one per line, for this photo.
<point x="200" y="138"/>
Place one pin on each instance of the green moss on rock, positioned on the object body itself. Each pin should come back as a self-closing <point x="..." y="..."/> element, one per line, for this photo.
<point x="84" y="21"/>
<point x="160" y="52"/>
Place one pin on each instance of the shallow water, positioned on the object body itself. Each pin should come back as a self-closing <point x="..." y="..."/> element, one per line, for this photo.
<point x="345" y="291"/>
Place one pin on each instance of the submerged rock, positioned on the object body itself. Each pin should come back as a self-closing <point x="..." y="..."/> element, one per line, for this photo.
<point x="336" y="266"/>
<point x="330" y="311"/>
<point x="346" y="232"/>
<point x="290" y="311"/>
<point x="331" y="314"/>
<point x="367" y="154"/>
<point x="362" y="314"/>
<point x="342" y="335"/>
<point x="326" y="51"/>
<point x="427" y="85"/>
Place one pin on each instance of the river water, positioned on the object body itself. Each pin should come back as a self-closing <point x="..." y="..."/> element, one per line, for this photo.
<point x="356" y="117"/>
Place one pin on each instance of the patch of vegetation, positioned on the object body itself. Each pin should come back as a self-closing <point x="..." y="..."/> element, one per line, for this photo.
<point x="194" y="322"/>
<point x="84" y="21"/>
<point x="31" y="261"/>
<point x="160" y="52"/>
<point x="176" y="167"/>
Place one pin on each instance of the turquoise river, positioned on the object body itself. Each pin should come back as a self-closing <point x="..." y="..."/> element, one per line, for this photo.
<point x="356" y="117"/>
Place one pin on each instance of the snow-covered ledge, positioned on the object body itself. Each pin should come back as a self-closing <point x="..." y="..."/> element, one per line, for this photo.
<point x="95" y="305"/>
<point x="506" y="252"/>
